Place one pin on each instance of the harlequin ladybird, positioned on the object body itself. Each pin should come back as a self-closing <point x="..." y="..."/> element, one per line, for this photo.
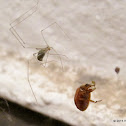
<point x="82" y="96"/>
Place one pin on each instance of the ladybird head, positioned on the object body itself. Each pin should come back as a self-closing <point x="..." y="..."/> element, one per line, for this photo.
<point x="85" y="87"/>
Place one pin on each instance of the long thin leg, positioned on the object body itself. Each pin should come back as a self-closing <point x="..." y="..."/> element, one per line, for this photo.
<point x="58" y="54"/>
<point x="34" y="54"/>
<point x="59" y="58"/>
<point x="62" y="30"/>
<point x="18" y="38"/>
<point x="47" y="43"/>
<point x="48" y="27"/>
<point x="53" y="49"/>
<point x="95" y="101"/>
<point x="29" y="82"/>
<point x="46" y="58"/>
<point x="38" y="61"/>
<point x="44" y="37"/>
<point x="24" y="14"/>
<point x="48" y="62"/>
<point x="22" y="18"/>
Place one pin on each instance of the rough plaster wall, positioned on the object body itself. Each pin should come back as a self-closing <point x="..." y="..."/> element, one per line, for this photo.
<point x="96" y="45"/>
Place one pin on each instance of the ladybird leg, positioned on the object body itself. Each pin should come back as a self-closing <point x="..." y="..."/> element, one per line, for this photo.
<point x="90" y="90"/>
<point x="95" y="101"/>
<point x="93" y="82"/>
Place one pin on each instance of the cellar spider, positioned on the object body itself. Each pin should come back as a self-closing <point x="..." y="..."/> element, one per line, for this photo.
<point x="40" y="54"/>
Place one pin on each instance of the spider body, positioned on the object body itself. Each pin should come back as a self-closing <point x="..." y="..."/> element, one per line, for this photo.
<point x="42" y="52"/>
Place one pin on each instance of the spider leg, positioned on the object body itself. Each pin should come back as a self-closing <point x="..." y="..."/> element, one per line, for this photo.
<point x="48" y="62"/>
<point x="59" y="58"/>
<point x="30" y="83"/>
<point x="46" y="58"/>
<point x="54" y="23"/>
<point x="20" y="19"/>
<point x="58" y="54"/>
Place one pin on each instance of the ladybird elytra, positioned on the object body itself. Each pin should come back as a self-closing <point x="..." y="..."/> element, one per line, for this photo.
<point x="83" y="95"/>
